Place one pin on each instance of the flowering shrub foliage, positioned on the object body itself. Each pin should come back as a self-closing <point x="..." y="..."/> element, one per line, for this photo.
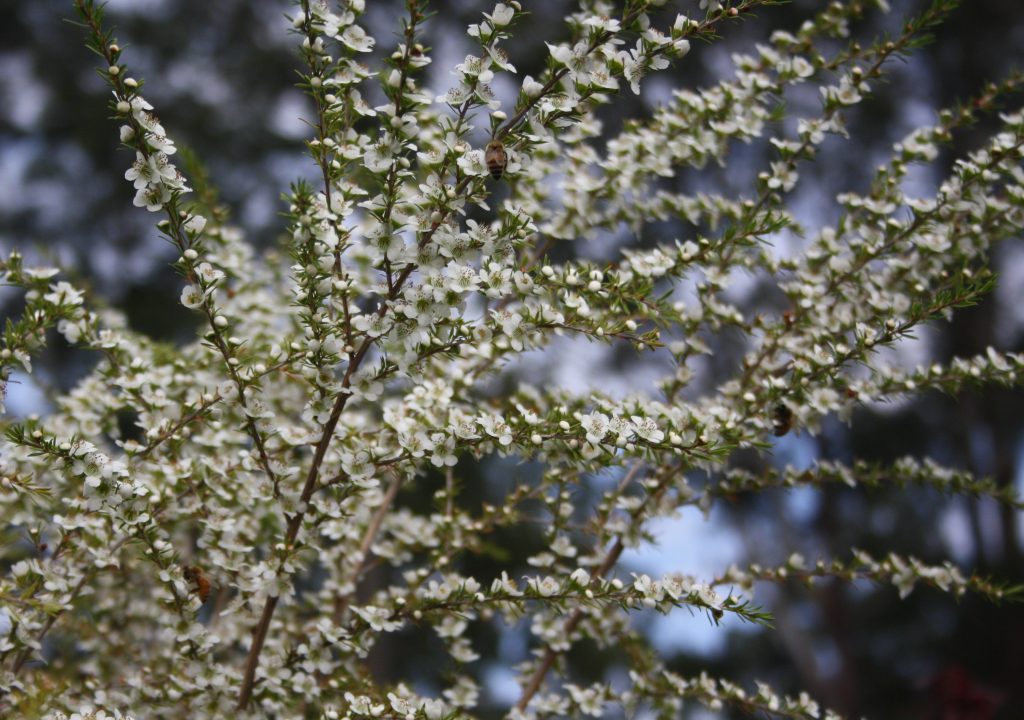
<point x="216" y="563"/>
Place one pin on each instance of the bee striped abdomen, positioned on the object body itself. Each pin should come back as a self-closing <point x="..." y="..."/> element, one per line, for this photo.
<point x="496" y="158"/>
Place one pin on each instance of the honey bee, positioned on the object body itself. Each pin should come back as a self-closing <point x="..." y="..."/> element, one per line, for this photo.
<point x="496" y="158"/>
<point x="782" y="419"/>
<point x="194" y="574"/>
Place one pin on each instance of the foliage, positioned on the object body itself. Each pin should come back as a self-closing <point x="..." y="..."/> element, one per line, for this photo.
<point x="245" y="546"/>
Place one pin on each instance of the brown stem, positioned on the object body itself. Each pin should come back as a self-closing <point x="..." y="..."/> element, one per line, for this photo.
<point x="25" y="654"/>
<point x="295" y="522"/>
<point x="292" y="531"/>
<point x="576" y="616"/>
<point x="253" y="659"/>
<point x="574" y="619"/>
<point x="341" y="603"/>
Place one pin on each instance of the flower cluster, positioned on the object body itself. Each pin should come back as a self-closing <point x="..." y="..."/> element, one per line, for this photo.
<point x="153" y="176"/>
<point x="351" y="450"/>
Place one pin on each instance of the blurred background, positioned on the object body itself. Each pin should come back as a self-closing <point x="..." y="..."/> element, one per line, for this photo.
<point x="222" y="76"/>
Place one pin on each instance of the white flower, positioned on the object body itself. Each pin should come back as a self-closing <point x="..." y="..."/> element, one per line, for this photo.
<point x="546" y="586"/>
<point x="496" y="427"/>
<point x="531" y="88"/>
<point x="72" y="331"/>
<point x="41" y="273"/>
<point x="577" y="59"/>
<point x="501" y="16"/>
<point x="580" y="577"/>
<point x="784" y="176"/>
<point x="357" y="39"/>
<point x="64" y="294"/>
<point x="595" y="426"/>
<point x="500" y="58"/>
<point x="378" y="158"/>
<point x="444" y="450"/>
<point x="563" y="546"/>
<point x="152" y="197"/>
<point x="143" y="116"/>
<point x="209" y="274"/>
<point x="848" y="92"/>
<point x="647" y="429"/>
<point x="904" y="577"/>
<point x="160" y="143"/>
<point x="461" y="278"/>
<point x="434" y="709"/>
<point x="141" y="173"/>
<point x="363" y="705"/>
<point x="633" y="72"/>
<point x="401" y="705"/>
<point x="473" y="163"/>
<point x="195" y="224"/>
<point x="474" y="67"/>
<point x="192" y="296"/>
<point x="603" y="23"/>
<point x="505" y="586"/>
<point x="378" y="618"/>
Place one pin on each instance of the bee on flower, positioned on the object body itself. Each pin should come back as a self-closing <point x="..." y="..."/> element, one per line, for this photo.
<point x="782" y="419"/>
<point x="194" y="574"/>
<point x="496" y="158"/>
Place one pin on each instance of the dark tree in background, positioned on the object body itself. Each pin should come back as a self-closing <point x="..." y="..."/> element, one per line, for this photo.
<point x="227" y="89"/>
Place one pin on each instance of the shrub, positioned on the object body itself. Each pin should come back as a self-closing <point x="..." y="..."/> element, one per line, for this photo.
<point x="328" y="462"/>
